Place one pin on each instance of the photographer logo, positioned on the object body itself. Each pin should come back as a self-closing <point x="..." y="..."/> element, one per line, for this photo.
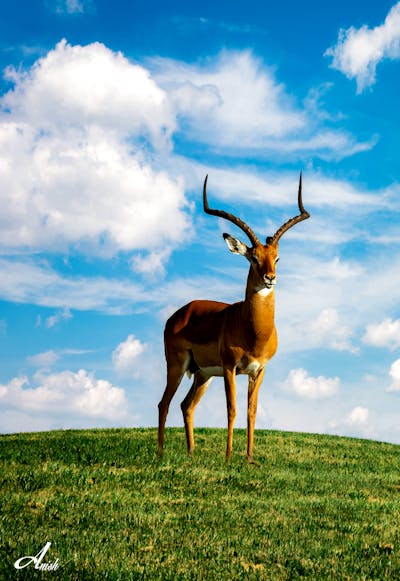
<point x="37" y="561"/>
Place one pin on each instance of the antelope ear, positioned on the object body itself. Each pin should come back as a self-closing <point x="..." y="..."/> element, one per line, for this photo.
<point x="235" y="245"/>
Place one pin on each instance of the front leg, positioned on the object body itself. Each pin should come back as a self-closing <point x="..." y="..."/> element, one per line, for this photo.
<point x="230" y="392"/>
<point x="254" y="386"/>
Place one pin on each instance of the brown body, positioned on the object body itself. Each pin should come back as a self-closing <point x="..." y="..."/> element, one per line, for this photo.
<point x="208" y="338"/>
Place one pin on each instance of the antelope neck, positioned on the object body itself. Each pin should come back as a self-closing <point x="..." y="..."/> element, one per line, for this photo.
<point x="259" y="307"/>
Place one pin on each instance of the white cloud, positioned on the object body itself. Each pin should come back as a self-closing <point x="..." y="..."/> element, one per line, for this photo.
<point x="93" y="182"/>
<point x="63" y="315"/>
<point x="44" y="359"/>
<point x="356" y="423"/>
<point x="359" y="417"/>
<point x="395" y="376"/>
<point x="384" y="334"/>
<point x="324" y="330"/>
<point x="80" y="86"/>
<point x="65" y="393"/>
<point x="151" y="265"/>
<point x="310" y="294"/>
<point x="79" y="6"/>
<point x="27" y="282"/>
<point x="234" y="102"/>
<point x="87" y="123"/>
<point x="234" y="82"/>
<point x="279" y="189"/>
<point x="126" y="356"/>
<point x="358" y="51"/>
<point x="302" y="385"/>
<point x="47" y="359"/>
<point x="328" y="331"/>
<point x="71" y="6"/>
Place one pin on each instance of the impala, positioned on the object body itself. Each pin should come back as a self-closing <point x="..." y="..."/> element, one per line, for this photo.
<point x="209" y="338"/>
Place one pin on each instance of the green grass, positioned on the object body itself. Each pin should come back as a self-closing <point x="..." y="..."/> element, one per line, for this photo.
<point x="312" y="507"/>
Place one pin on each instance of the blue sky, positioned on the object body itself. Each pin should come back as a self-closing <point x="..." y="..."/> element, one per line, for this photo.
<point x="111" y="114"/>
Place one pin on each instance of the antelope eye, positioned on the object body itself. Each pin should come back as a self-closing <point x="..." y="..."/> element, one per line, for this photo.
<point x="277" y="260"/>
<point x="254" y="259"/>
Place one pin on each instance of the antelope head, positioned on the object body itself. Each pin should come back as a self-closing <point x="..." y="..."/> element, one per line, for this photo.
<point x="262" y="257"/>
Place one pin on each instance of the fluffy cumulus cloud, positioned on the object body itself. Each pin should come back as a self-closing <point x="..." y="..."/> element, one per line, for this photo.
<point x="358" y="51"/>
<point x="356" y="423"/>
<point x="384" y="334"/>
<point x="301" y="384"/>
<point x="235" y="102"/>
<point x="358" y="417"/>
<point x="240" y="97"/>
<point x="84" y="86"/>
<point x="126" y="356"/>
<point x="65" y="393"/>
<point x="92" y="129"/>
<point x="83" y="122"/>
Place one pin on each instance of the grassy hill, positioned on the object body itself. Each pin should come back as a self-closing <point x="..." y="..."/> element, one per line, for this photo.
<point x="313" y="507"/>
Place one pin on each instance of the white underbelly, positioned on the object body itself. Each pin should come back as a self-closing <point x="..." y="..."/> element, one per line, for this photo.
<point x="218" y="371"/>
<point x="214" y="371"/>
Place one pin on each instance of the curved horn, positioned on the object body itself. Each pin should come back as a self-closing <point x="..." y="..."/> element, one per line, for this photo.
<point x="222" y="214"/>
<point x="295" y="220"/>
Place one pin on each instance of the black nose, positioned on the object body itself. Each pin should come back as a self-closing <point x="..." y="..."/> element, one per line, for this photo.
<point x="269" y="278"/>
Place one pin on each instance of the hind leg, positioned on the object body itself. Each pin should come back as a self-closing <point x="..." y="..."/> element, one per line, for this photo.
<point x="188" y="405"/>
<point x="254" y="386"/>
<point x="174" y="376"/>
